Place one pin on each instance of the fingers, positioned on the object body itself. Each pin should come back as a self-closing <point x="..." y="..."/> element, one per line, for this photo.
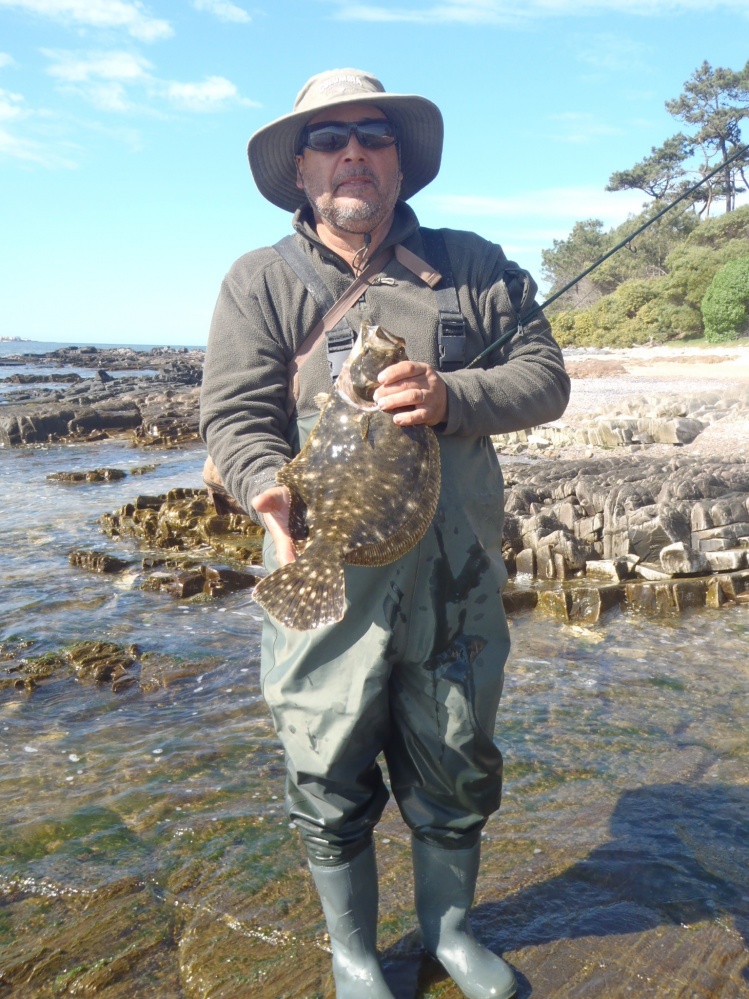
<point x="414" y="393"/>
<point x="274" y="504"/>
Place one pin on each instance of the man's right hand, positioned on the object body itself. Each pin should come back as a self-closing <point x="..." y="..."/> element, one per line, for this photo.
<point x="274" y="505"/>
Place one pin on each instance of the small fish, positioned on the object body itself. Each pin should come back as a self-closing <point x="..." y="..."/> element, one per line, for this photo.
<point x="363" y="491"/>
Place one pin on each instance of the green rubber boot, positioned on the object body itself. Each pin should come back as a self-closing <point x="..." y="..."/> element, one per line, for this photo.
<point x="444" y="884"/>
<point x="349" y="901"/>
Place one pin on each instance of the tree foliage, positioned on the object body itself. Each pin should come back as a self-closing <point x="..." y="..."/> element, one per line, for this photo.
<point x="644" y="257"/>
<point x="724" y="307"/>
<point x="714" y="103"/>
<point x="667" y="307"/>
<point x="656" y="286"/>
<point x="661" y="175"/>
<point x="569" y="257"/>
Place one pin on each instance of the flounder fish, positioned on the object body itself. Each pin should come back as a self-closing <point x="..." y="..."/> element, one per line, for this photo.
<point x="363" y="491"/>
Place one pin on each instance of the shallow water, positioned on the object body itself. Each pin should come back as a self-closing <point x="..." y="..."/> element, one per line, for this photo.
<point x="144" y="851"/>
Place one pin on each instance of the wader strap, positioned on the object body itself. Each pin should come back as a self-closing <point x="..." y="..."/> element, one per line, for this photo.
<point x="452" y="329"/>
<point x="339" y="334"/>
<point x="334" y="324"/>
<point x="417" y="266"/>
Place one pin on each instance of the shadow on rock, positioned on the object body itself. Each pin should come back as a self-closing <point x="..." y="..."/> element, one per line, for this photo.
<point x="678" y="856"/>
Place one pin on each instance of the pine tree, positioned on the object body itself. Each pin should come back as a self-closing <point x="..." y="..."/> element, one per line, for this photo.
<point x="714" y="103"/>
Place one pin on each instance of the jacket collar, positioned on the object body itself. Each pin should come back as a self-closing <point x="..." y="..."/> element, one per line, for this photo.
<point x="405" y="223"/>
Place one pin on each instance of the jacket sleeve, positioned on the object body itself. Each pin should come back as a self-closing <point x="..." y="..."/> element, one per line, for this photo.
<point x="521" y="384"/>
<point x="243" y="397"/>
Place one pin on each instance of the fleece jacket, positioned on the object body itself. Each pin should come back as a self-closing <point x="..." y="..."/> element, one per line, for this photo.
<point x="264" y="313"/>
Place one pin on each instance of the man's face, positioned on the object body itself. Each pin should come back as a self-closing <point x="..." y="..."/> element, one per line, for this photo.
<point x="355" y="188"/>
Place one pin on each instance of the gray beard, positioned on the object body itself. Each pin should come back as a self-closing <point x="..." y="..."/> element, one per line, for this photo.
<point x="356" y="218"/>
<point x="350" y="218"/>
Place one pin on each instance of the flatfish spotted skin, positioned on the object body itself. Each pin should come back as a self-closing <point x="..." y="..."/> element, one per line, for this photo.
<point x="364" y="492"/>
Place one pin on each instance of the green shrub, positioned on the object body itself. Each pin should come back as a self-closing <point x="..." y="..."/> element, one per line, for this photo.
<point x="692" y="267"/>
<point x="646" y="310"/>
<point x="721" y="229"/>
<point x="724" y="306"/>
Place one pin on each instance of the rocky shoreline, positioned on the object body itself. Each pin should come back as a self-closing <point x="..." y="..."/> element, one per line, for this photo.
<point x="633" y="500"/>
<point x="156" y="405"/>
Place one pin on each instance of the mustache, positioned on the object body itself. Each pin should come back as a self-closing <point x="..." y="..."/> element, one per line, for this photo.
<point x="358" y="171"/>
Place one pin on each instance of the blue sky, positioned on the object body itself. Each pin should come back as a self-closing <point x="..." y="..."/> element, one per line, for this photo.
<point x="124" y="187"/>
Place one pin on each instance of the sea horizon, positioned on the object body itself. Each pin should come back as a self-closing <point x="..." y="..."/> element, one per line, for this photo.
<point x="9" y="347"/>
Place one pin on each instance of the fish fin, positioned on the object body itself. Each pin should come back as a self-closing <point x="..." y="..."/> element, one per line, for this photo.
<point x="414" y="529"/>
<point x="303" y="597"/>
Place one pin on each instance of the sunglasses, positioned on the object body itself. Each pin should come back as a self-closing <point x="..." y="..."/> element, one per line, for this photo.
<point x="332" y="136"/>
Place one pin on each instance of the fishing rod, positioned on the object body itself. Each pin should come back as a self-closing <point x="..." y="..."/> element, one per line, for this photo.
<point x="628" y="239"/>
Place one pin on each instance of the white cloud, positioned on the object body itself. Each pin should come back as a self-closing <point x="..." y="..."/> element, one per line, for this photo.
<point x="10" y="105"/>
<point x="130" y="16"/>
<point x="509" y="12"/>
<point x="6" y="60"/>
<point x="121" y="81"/>
<point x="101" y="78"/>
<point x="73" y="68"/>
<point x="14" y="146"/>
<point x="212" y="94"/>
<point x="223" y="10"/>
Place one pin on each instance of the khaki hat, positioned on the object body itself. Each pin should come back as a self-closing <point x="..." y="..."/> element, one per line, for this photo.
<point x="272" y="149"/>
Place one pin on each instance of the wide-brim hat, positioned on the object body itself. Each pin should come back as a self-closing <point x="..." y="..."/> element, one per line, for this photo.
<point x="272" y="149"/>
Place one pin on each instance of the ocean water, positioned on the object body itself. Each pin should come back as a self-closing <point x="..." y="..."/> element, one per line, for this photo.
<point x="12" y="363"/>
<point x="11" y="347"/>
<point x="144" y="850"/>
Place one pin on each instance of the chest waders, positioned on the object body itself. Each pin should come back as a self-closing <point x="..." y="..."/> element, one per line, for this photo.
<point x="413" y="671"/>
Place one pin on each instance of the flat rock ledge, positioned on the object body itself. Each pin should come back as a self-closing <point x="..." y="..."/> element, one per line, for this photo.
<point x="651" y="534"/>
<point x="158" y="404"/>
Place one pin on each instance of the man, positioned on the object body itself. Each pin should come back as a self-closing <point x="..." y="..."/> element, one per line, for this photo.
<point x="415" y="668"/>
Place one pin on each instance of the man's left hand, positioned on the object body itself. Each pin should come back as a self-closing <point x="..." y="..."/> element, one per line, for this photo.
<point x="414" y="393"/>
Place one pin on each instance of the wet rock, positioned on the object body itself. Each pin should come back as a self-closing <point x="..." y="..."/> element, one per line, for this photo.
<point x="580" y="604"/>
<point x="30" y="424"/>
<point x="515" y="598"/>
<point x="93" y="662"/>
<point x="97" y="561"/>
<point x="223" y="579"/>
<point x="54" y="379"/>
<point x="650" y="598"/>
<point x="101" y="662"/>
<point x="185" y="520"/>
<point x="179" y="584"/>
<point x="94" y="475"/>
<point x="214" y="581"/>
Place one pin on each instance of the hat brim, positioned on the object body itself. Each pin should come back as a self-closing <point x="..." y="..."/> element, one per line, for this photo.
<point x="272" y="149"/>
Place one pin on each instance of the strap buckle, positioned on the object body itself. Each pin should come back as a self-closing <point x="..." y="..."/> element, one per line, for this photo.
<point x="451" y="341"/>
<point x="339" y="343"/>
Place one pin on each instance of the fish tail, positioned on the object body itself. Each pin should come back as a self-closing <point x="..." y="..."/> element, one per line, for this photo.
<point x="301" y="596"/>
